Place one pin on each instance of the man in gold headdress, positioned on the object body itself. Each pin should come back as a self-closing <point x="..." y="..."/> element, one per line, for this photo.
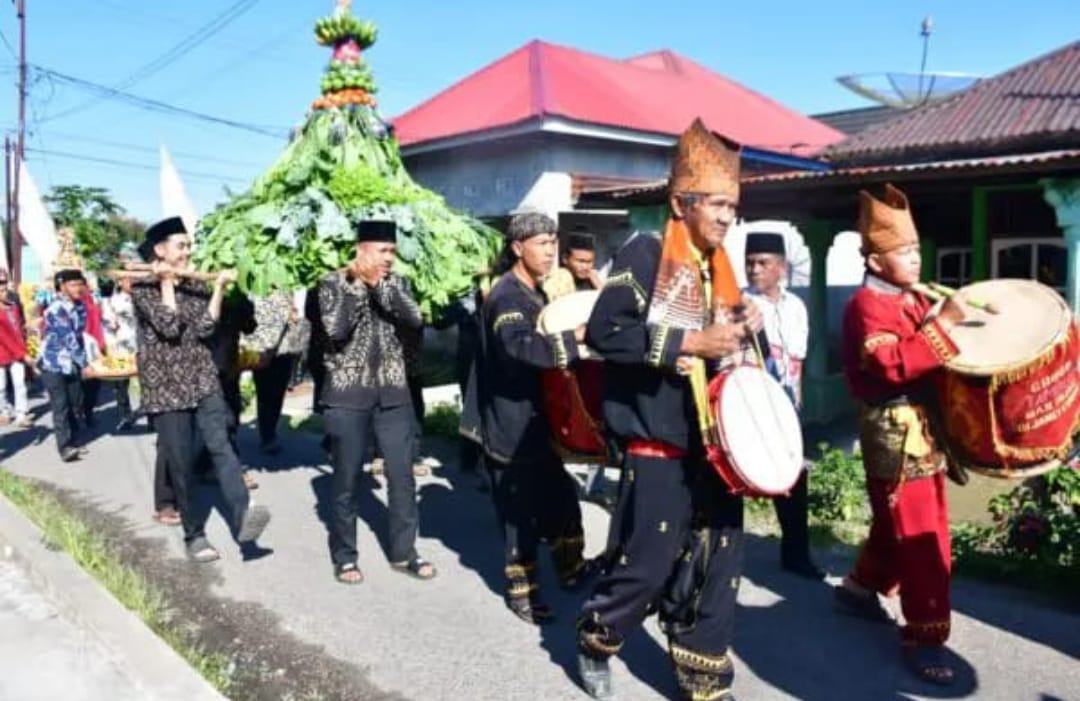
<point x="891" y="351"/>
<point x="669" y="313"/>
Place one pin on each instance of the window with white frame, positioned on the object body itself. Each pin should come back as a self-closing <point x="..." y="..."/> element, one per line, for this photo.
<point x="954" y="266"/>
<point x="1041" y="259"/>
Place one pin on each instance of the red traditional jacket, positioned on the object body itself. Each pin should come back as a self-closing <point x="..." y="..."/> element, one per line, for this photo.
<point x="890" y="355"/>
<point x="888" y="348"/>
<point x="12" y="344"/>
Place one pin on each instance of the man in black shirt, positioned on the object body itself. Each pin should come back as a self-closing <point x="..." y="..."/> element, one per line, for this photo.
<point x="661" y="320"/>
<point x="534" y="495"/>
<point x="365" y="395"/>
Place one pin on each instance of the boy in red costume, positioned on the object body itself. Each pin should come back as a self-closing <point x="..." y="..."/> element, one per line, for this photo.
<point x="892" y="348"/>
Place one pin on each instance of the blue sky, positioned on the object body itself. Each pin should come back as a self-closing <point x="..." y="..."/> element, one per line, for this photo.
<point x="264" y="67"/>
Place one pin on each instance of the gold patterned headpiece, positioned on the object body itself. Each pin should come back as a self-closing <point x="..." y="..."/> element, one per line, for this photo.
<point x="705" y="163"/>
<point x="885" y="224"/>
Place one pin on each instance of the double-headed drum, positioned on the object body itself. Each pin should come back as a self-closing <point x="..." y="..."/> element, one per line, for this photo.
<point x="760" y="446"/>
<point x="1011" y="398"/>
<point x="573" y="397"/>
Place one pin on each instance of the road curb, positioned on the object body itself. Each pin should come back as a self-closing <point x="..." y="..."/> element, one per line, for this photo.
<point x="153" y="667"/>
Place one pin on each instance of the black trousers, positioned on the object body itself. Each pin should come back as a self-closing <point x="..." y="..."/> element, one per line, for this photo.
<point x="793" y="513"/>
<point x="91" y="392"/>
<point x="416" y="391"/>
<point x="271" y="383"/>
<point x="123" y="398"/>
<point x="179" y="434"/>
<point x="351" y="432"/>
<point x="666" y="509"/>
<point x="538" y="500"/>
<point x="318" y="375"/>
<point x="65" y="400"/>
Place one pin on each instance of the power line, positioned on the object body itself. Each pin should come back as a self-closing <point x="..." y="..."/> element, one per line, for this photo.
<point x="131" y="165"/>
<point x="188" y="43"/>
<point x="66" y="136"/>
<point x="10" y="48"/>
<point x="156" y="106"/>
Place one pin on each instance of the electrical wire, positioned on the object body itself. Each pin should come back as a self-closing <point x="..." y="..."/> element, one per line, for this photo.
<point x="185" y="45"/>
<point x="129" y="164"/>
<point x="109" y="93"/>
<point x="123" y="146"/>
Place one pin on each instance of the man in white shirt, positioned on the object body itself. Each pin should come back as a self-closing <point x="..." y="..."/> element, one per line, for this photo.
<point x="787" y="330"/>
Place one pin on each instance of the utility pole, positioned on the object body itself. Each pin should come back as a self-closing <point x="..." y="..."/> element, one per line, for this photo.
<point x="20" y="148"/>
<point x="7" y="199"/>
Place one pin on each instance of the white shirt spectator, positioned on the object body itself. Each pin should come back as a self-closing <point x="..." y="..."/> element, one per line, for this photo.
<point x="788" y="329"/>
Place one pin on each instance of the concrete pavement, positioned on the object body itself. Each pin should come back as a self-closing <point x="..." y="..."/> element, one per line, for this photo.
<point x="453" y="639"/>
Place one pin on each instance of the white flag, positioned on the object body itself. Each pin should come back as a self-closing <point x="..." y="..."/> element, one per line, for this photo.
<point x="174" y="199"/>
<point x="36" y="224"/>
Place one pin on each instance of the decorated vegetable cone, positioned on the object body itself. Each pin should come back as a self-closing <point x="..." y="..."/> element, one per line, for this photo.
<point x="343" y="166"/>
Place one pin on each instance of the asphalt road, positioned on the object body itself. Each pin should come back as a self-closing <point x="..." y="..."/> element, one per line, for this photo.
<point x="452" y="638"/>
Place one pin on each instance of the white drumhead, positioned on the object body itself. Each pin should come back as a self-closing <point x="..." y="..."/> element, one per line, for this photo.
<point x="1031" y="319"/>
<point x="759" y="428"/>
<point x="567" y="313"/>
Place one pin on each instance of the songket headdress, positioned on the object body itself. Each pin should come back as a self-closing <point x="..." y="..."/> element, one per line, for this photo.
<point x="885" y="224"/>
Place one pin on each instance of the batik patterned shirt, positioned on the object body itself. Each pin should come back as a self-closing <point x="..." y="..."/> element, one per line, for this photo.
<point x="364" y="358"/>
<point x="176" y="366"/>
<point x="63" y="349"/>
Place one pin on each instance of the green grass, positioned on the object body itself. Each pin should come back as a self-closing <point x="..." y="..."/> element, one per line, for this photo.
<point x="89" y="548"/>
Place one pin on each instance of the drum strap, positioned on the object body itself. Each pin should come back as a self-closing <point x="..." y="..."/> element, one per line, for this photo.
<point x="654" y="449"/>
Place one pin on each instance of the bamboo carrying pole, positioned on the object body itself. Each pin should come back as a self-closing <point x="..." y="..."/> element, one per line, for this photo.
<point x="138" y="271"/>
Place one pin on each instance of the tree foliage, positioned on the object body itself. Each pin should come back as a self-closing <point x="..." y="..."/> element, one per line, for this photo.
<point x="101" y="225"/>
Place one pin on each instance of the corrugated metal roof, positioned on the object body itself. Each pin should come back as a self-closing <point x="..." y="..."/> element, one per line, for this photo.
<point x="858" y="120"/>
<point x="657" y="93"/>
<point x="1035" y="106"/>
<point x="1063" y="157"/>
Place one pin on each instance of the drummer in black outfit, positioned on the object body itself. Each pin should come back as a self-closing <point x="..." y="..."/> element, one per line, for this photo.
<point x="676" y="534"/>
<point x="535" y="498"/>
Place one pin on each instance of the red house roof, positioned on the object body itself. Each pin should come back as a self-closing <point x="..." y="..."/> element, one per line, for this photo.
<point x="1035" y="106"/>
<point x="658" y="93"/>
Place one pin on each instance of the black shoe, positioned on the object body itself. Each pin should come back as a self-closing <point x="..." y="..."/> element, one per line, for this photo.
<point x="803" y="567"/>
<point x="70" y="455"/>
<point x="595" y="675"/>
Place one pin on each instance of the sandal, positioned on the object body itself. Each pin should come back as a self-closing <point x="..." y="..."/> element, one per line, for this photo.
<point x="200" y="550"/>
<point x="417" y="567"/>
<point x="249" y="481"/>
<point x="420" y="470"/>
<point x="929" y="664"/>
<point x="865" y="606"/>
<point x="168" y="516"/>
<point x="530" y="609"/>
<point x="348" y="573"/>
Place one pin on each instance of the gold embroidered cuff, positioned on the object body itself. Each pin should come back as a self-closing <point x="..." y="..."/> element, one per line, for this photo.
<point x="939" y="341"/>
<point x="699" y="661"/>
<point x="876" y="340"/>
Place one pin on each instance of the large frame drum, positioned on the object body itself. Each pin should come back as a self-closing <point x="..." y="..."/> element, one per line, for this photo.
<point x="760" y="451"/>
<point x="573" y="397"/>
<point x="1011" y="397"/>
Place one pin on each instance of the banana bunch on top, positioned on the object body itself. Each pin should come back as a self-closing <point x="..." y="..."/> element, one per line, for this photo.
<point x="339" y="28"/>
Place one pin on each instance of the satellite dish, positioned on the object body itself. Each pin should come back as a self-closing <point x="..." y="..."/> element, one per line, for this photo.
<point x="902" y="90"/>
<point x="907" y="90"/>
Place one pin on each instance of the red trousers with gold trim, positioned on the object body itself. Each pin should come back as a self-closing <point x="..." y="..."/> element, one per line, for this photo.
<point x="909" y="549"/>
